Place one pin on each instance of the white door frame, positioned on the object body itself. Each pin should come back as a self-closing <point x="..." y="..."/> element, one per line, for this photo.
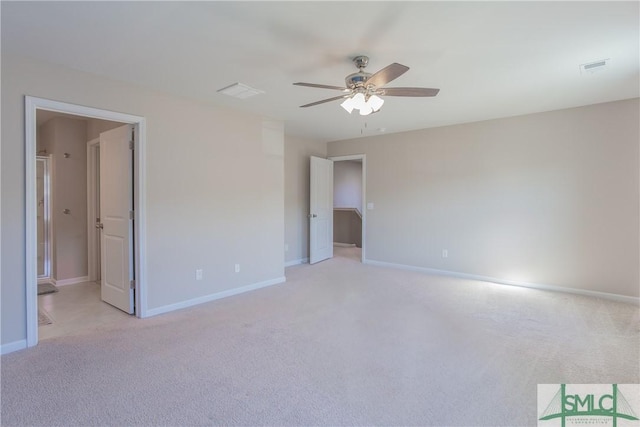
<point x="32" y="104"/>
<point x="93" y="180"/>
<point x="362" y="157"/>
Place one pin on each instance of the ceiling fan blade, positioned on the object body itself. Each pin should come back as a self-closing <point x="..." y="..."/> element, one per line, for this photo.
<point x="409" y="91"/>
<point x="387" y="74"/>
<point x="321" y="86"/>
<point x="325" y="100"/>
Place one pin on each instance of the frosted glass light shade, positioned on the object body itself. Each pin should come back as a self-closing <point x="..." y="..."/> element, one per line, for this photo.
<point x="375" y="102"/>
<point x="348" y="105"/>
<point x="366" y="110"/>
<point x="361" y="103"/>
<point x="358" y="101"/>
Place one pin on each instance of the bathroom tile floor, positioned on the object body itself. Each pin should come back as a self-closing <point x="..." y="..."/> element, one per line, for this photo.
<point x="78" y="309"/>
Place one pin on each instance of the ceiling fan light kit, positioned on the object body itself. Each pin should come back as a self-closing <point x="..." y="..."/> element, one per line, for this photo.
<point x="363" y="91"/>
<point x="366" y="105"/>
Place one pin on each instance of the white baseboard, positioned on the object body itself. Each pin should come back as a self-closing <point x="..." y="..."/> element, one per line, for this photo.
<point x="71" y="281"/>
<point x="47" y="280"/>
<point x="540" y="286"/>
<point x="296" y="262"/>
<point x="13" y="346"/>
<point x="344" y="245"/>
<point x="213" y="297"/>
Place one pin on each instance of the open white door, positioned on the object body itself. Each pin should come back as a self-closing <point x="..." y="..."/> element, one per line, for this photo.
<point x="116" y="199"/>
<point x="321" y="210"/>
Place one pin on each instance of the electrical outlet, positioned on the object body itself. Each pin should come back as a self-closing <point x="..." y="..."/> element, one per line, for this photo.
<point x="445" y="253"/>
<point x="237" y="268"/>
<point x="199" y="274"/>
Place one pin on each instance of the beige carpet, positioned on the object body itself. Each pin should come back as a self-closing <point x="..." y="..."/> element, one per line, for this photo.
<point x="340" y="343"/>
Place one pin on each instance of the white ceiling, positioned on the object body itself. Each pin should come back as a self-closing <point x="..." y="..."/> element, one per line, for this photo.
<point x="490" y="59"/>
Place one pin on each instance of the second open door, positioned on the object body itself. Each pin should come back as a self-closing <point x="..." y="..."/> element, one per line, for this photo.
<point x="320" y="210"/>
<point x="116" y="217"/>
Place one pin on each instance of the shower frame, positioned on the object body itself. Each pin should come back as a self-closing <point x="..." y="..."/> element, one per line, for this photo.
<point x="47" y="232"/>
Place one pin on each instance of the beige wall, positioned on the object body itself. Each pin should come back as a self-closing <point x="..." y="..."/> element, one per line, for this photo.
<point x="297" y="153"/>
<point x="62" y="135"/>
<point x="549" y="198"/>
<point x="209" y="171"/>
<point x="96" y="127"/>
<point x="347" y="227"/>
<point x="347" y="184"/>
<point x="44" y="134"/>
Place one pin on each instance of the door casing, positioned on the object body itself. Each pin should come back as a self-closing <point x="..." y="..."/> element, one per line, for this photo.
<point x="32" y="104"/>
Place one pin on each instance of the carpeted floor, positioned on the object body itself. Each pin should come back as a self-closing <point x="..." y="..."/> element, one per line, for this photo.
<point x="340" y="343"/>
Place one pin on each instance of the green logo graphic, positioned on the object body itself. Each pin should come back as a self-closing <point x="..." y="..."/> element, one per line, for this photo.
<point x="613" y="405"/>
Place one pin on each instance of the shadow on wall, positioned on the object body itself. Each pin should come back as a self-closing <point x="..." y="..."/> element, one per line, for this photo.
<point x="347" y="226"/>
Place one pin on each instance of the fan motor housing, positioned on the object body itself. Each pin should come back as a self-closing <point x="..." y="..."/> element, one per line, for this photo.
<point x="356" y="79"/>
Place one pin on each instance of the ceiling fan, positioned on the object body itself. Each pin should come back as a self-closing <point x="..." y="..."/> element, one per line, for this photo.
<point x="363" y="90"/>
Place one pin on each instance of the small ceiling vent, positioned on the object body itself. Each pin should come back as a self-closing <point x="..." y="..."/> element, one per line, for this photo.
<point x="594" y="67"/>
<point x="239" y="90"/>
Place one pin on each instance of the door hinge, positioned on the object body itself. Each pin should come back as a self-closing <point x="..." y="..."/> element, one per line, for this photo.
<point x="132" y="284"/>
<point x="131" y="215"/>
<point x="130" y="145"/>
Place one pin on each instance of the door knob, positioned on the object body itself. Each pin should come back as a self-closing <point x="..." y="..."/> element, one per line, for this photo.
<point x="312" y="216"/>
<point x="99" y="225"/>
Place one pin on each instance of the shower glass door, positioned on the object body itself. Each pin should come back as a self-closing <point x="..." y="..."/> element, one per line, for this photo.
<point x="43" y="193"/>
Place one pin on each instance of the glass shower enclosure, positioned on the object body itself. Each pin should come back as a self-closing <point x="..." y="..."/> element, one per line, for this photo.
<point x="43" y="193"/>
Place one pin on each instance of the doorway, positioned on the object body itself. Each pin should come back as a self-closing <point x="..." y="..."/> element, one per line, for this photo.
<point x="349" y="179"/>
<point x="322" y="208"/>
<point x="32" y="107"/>
<point x="72" y="299"/>
<point x="347" y="208"/>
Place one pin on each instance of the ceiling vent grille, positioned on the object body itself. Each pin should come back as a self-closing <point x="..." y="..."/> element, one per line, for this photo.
<point x="239" y="90"/>
<point x="594" y="67"/>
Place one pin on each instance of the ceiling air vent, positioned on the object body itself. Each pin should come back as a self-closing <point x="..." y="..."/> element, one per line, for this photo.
<point x="592" y="67"/>
<point x="239" y="90"/>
